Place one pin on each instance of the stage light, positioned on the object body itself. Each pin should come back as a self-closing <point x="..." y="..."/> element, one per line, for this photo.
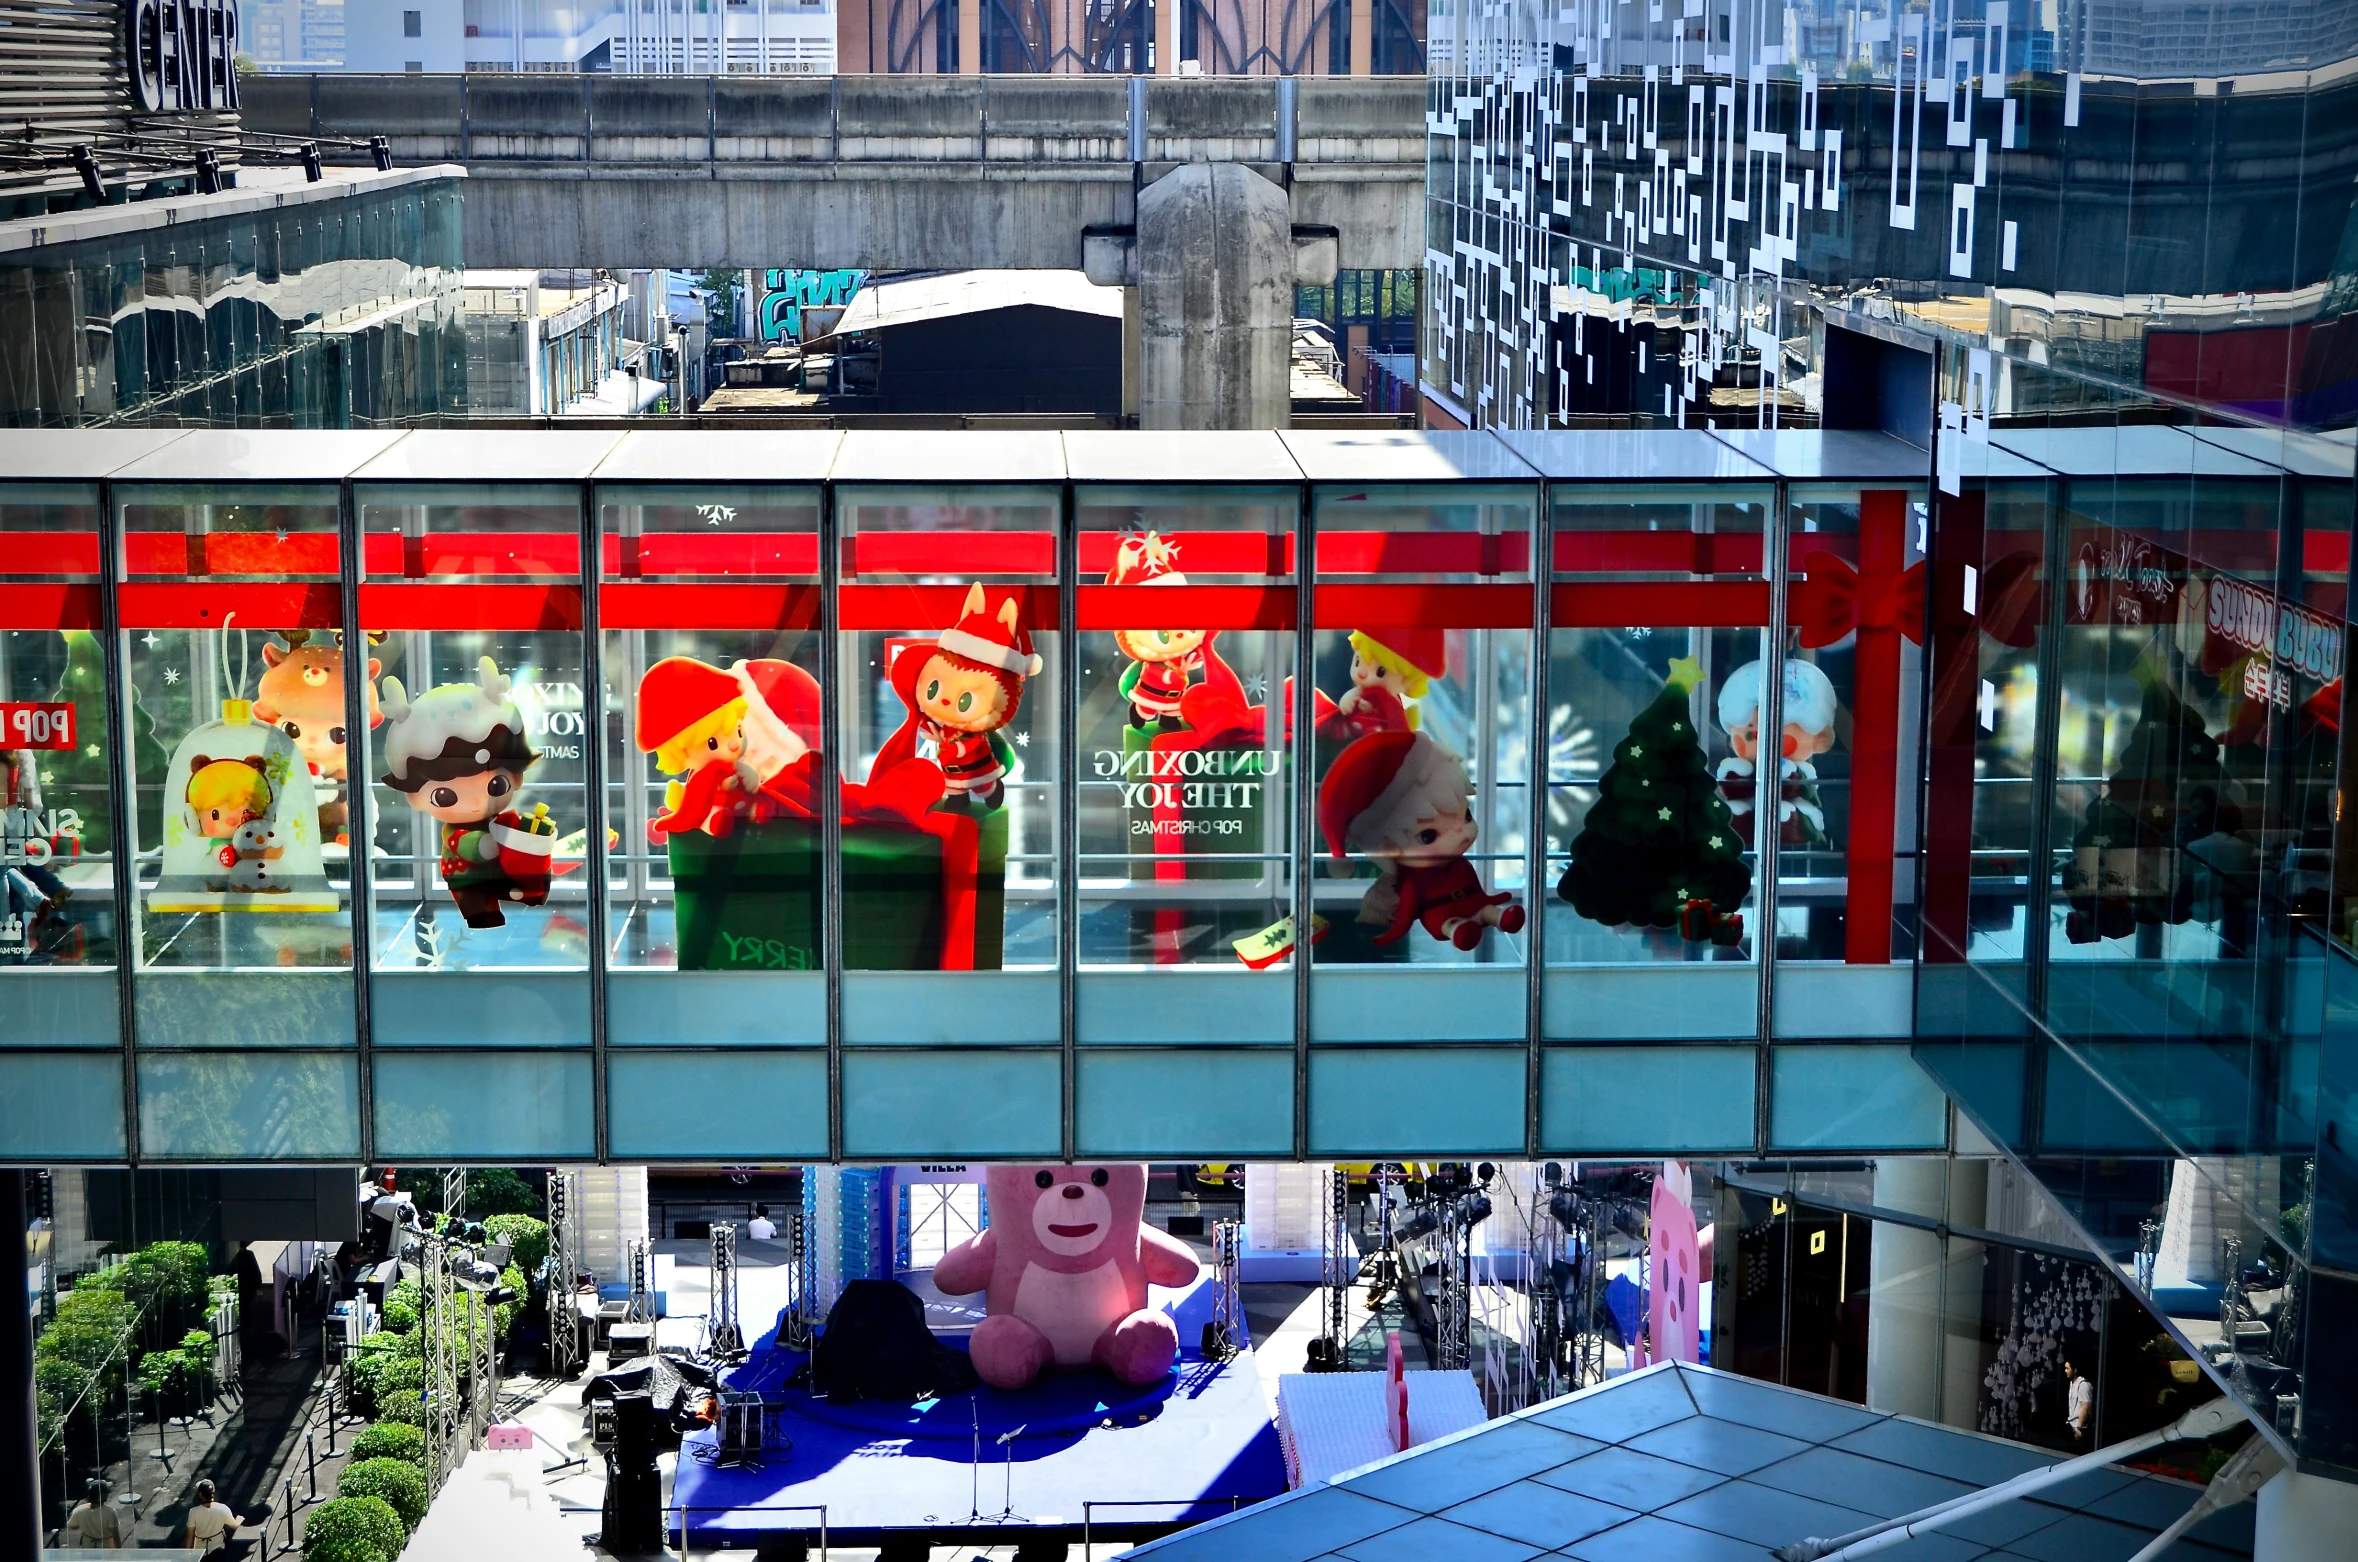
<point x="474" y="1274"/>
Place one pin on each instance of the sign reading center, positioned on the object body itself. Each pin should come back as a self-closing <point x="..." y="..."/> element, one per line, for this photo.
<point x="181" y="55"/>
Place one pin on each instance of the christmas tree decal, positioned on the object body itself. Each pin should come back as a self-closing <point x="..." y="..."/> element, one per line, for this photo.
<point x="2129" y="863"/>
<point x="1658" y="848"/>
<point x="77" y="778"/>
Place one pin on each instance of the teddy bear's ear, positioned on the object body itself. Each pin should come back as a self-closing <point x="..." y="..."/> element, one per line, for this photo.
<point x="198" y="763"/>
<point x="253" y="761"/>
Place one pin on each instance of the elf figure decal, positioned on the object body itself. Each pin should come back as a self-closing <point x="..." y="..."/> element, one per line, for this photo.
<point x="459" y="754"/>
<point x="1403" y="800"/>
<point x="741" y="739"/>
<point x="1808" y="732"/>
<point x="1161" y="660"/>
<point x="960" y="694"/>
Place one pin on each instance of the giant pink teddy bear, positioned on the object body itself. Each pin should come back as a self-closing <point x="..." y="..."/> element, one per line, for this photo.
<point x="1065" y="1265"/>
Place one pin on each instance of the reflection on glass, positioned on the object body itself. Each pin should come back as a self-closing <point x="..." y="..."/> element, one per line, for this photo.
<point x="1420" y="717"/>
<point x="1186" y="802"/>
<point x="1855" y="605"/>
<point x="478" y="808"/>
<point x="56" y="810"/>
<point x="948" y="609"/>
<point x="710" y="618"/>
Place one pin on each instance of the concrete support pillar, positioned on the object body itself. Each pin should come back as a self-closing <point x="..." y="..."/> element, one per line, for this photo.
<point x="1903" y="1302"/>
<point x="1215" y="269"/>
<point x="2305" y="1518"/>
<point x="1968" y="1264"/>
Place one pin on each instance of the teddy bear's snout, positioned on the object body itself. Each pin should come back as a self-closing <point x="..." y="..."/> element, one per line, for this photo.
<point x="1072" y="1190"/>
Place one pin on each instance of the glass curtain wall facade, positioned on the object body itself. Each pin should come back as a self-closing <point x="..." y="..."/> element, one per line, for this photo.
<point x="334" y="305"/>
<point x="2108" y="279"/>
<point x="665" y="796"/>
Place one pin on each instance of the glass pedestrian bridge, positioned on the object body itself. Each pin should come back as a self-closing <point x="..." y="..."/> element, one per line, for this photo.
<point x="797" y="795"/>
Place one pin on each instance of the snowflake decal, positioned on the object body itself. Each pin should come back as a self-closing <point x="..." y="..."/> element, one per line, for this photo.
<point x="149" y="640"/>
<point x="278" y="767"/>
<point x="171" y="675"/>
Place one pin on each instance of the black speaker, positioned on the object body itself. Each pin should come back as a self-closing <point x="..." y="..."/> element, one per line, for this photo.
<point x="632" y="1518"/>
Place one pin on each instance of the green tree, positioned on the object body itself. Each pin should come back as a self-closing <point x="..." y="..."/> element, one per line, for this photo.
<point x="1659" y="848"/>
<point x="721" y="290"/>
<point x="400" y="1482"/>
<point x="353" y="1529"/>
<point x="527" y="1237"/>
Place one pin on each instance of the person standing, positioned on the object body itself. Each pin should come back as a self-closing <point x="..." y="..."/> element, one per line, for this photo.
<point x="210" y="1522"/>
<point x="2079" y="1403"/>
<point x="94" y="1525"/>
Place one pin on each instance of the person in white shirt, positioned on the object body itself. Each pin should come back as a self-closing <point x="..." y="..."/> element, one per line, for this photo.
<point x="2079" y="1402"/>
<point x="93" y="1525"/>
<point x="761" y="1228"/>
<point x="210" y="1522"/>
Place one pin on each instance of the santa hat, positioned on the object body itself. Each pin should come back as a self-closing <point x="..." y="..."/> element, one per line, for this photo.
<point x="1378" y="781"/>
<point x="781" y="702"/>
<point x="1145" y="561"/>
<point x="993" y="639"/>
<point x="675" y="694"/>
<point x="1426" y="650"/>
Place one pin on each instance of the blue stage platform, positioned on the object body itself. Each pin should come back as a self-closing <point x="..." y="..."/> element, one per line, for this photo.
<point x="1144" y="1460"/>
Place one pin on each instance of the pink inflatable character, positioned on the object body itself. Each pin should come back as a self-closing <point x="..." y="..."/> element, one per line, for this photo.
<point x="1065" y="1265"/>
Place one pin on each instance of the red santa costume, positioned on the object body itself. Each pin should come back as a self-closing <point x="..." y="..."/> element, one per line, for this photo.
<point x="1374" y="799"/>
<point x="774" y="773"/>
<point x="973" y="764"/>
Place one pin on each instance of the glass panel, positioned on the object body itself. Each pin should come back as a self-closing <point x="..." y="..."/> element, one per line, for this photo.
<point x="1376" y="1101"/>
<point x="250" y="1106"/>
<point x="908" y="1103"/>
<point x="233" y="645"/>
<point x="740" y="1105"/>
<point x="710" y="614"/>
<point x="1854" y="606"/>
<point x="478" y="817"/>
<point x="1420" y="724"/>
<point x="1153" y="1101"/>
<point x="62" y="1105"/>
<point x="1853" y="1098"/>
<point x="1660" y="612"/>
<point x="1639" y="1100"/>
<point x="948" y="610"/>
<point x="1186" y="806"/>
<point x="57" y="839"/>
<point x="441" y="1106"/>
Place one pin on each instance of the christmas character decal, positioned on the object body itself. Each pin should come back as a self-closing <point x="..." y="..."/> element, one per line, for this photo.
<point x="1808" y="732"/>
<point x="960" y="694"/>
<point x="2130" y="863"/>
<point x="739" y="738"/>
<point x="302" y="694"/>
<point x="231" y="801"/>
<point x="1402" y="800"/>
<point x="459" y="754"/>
<point x="1064" y="1266"/>
<point x="1390" y="671"/>
<point x="241" y="825"/>
<point x="1660" y="847"/>
<point x="1160" y="659"/>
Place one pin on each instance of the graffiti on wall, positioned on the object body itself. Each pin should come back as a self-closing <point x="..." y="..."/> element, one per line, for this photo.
<point x="786" y="294"/>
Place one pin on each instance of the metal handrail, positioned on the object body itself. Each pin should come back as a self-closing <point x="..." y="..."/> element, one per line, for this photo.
<point x="684" y="1510"/>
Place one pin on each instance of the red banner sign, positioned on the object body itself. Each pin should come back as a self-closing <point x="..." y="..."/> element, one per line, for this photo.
<point x="37" y="724"/>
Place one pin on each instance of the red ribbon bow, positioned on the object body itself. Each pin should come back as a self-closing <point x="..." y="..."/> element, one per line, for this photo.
<point x="1836" y="599"/>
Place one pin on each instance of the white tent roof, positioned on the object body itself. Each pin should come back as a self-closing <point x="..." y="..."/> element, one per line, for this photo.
<point x="881" y="304"/>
